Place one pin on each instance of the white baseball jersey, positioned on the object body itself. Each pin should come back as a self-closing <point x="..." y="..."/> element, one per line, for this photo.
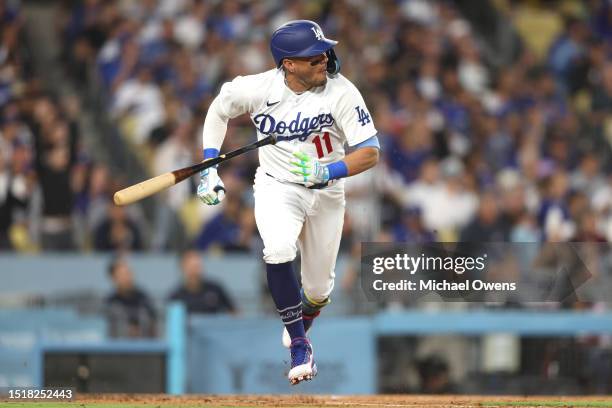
<point x="317" y="122"/>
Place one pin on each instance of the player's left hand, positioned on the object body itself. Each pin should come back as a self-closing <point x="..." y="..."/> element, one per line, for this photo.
<point x="310" y="169"/>
<point x="211" y="189"/>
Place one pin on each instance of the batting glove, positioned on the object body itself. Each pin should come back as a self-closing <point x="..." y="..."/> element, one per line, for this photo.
<point x="211" y="189"/>
<point x="310" y="169"/>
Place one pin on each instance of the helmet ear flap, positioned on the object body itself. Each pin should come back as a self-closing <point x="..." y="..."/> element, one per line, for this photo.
<point x="333" y="62"/>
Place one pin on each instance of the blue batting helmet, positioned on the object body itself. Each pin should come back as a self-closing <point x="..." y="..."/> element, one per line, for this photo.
<point x="303" y="38"/>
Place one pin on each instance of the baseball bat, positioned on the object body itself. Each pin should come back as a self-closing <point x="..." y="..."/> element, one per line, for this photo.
<point x="154" y="185"/>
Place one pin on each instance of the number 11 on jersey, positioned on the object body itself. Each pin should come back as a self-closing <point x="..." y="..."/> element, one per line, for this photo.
<point x="319" y="145"/>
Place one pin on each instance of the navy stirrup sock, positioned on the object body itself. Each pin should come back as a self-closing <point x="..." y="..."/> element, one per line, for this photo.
<point x="286" y="294"/>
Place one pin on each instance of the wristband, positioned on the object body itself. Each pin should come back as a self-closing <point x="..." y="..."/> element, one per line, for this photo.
<point x="210" y="153"/>
<point x="337" y="170"/>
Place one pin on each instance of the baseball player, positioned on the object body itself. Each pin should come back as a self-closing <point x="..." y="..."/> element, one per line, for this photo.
<point x="299" y="188"/>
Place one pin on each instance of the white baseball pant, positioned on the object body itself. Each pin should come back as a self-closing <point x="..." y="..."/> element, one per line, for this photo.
<point x="290" y="215"/>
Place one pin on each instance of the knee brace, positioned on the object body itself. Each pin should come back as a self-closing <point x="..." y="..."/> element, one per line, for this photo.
<point x="312" y="307"/>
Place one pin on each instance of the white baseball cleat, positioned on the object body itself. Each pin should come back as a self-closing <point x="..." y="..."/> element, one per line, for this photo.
<point x="303" y="367"/>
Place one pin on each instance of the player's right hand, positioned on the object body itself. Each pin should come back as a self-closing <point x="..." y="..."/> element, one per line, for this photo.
<point x="310" y="169"/>
<point x="211" y="189"/>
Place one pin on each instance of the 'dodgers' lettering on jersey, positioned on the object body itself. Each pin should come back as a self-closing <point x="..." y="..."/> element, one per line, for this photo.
<point x="297" y="128"/>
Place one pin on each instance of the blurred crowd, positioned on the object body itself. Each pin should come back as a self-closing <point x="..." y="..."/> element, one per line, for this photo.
<point x="472" y="150"/>
<point x="41" y="161"/>
<point x="130" y="311"/>
<point x="54" y="193"/>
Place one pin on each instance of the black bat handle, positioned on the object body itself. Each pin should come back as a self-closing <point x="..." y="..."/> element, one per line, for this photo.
<point x="186" y="172"/>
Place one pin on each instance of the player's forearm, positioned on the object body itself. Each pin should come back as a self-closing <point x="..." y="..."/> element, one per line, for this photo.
<point x="213" y="133"/>
<point x="360" y="160"/>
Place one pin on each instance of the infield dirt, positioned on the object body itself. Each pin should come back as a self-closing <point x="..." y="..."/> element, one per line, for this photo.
<point x="411" y="401"/>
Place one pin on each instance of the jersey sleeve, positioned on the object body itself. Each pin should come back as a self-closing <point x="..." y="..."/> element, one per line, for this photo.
<point x="238" y="96"/>
<point x="353" y="116"/>
<point x="235" y="98"/>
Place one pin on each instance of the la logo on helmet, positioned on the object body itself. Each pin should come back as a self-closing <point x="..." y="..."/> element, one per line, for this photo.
<point x="317" y="32"/>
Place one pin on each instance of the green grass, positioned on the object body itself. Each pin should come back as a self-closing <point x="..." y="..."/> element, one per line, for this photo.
<point x="81" y="404"/>
<point x="142" y="404"/>
<point x="84" y="404"/>
<point x="546" y="403"/>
